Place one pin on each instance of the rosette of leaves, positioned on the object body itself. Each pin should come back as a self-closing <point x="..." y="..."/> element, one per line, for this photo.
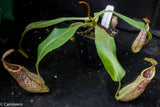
<point x="105" y="44"/>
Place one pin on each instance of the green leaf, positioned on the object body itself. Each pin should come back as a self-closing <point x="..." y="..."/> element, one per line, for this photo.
<point x="149" y="35"/>
<point x="97" y="18"/>
<point x="42" y="24"/>
<point x="97" y="14"/>
<point x="6" y="19"/>
<point x="136" y="24"/>
<point x="56" y="38"/>
<point x="6" y="9"/>
<point x="75" y="24"/>
<point x="106" y="49"/>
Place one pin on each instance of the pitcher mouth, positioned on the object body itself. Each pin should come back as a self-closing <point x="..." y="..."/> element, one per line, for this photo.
<point x="148" y="73"/>
<point x="12" y="67"/>
<point x="15" y="68"/>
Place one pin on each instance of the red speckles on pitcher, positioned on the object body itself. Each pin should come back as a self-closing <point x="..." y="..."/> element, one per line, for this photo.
<point x="26" y="79"/>
<point x="136" y="88"/>
<point x="141" y="38"/>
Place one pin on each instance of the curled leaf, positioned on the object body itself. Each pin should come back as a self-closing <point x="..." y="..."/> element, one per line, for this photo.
<point x="26" y="79"/>
<point x="89" y="9"/>
<point x="140" y="39"/>
<point x="136" y="88"/>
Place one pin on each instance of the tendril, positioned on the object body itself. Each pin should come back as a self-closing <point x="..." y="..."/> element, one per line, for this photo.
<point x="89" y="9"/>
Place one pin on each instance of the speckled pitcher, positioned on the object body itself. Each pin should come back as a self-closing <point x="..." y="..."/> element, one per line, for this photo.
<point x="136" y="88"/>
<point x="26" y="79"/>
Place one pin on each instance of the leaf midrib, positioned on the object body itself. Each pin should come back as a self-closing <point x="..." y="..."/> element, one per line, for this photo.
<point x="53" y="40"/>
<point x="111" y="54"/>
<point x="50" y="21"/>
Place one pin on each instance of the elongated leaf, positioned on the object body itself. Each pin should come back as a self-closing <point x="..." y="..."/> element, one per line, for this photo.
<point x="136" y="24"/>
<point x="56" y="38"/>
<point x="42" y="24"/>
<point x="106" y="49"/>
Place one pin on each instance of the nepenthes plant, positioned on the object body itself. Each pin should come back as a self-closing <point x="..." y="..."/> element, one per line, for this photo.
<point x="105" y="44"/>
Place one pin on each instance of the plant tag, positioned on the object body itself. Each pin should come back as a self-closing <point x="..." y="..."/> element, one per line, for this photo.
<point x="107" y="16"/>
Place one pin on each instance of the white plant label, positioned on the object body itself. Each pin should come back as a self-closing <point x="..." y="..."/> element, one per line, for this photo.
<point x="107" y="16"/>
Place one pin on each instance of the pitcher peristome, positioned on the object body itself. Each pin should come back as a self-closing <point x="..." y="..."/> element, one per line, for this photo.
<point x="136" y="88"/>
<point x="26" y="79"/>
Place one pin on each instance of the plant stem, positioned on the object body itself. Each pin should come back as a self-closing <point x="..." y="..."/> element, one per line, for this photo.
<point x="89" y="10"/>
